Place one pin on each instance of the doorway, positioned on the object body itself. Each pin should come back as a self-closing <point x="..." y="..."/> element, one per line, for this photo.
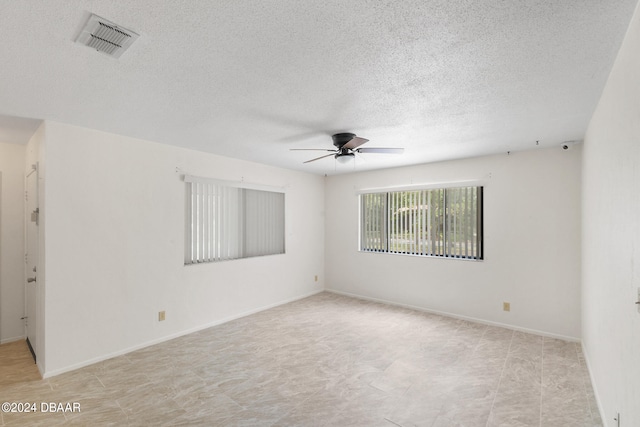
<point x="31" y="259"/>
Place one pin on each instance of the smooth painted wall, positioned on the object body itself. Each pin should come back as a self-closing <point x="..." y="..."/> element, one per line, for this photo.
<point x="611" y="239"/>
<point x="531" y="243"/>
<point x="115" y="221"/>
<point x="12" y="158"/>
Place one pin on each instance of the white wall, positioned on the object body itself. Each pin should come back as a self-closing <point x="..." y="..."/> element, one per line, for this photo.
<point x="531" y="233"/>
<point x="611" y="238"/>
<point x="12" y="158"/>
<point x="115" y="240"/>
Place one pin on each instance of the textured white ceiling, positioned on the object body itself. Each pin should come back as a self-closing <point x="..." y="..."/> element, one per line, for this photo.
<point x="251" y="79"/>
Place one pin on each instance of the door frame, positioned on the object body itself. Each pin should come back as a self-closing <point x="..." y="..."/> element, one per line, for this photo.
<point x="31" y="307"/>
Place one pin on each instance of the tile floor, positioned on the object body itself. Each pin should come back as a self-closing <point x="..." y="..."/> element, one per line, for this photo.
<point x="327" y="360"/>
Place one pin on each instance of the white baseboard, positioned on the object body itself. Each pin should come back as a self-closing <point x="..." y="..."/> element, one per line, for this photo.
<point x="73" y="367"/>
<point x="457" y="316"/>
<point x="8" y="340"/>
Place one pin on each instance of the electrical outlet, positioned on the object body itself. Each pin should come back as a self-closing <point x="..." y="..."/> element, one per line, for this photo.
<point x="316" y="278"/>
<point x="506" y="306"/>
<point x="160" y="316"/>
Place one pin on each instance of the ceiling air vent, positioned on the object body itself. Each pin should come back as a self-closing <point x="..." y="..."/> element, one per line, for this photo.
<point x="105" y="36"/>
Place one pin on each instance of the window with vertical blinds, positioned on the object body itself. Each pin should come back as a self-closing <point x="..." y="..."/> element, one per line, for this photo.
<point x="442" y="222"/>
<point x="230" y="221"/>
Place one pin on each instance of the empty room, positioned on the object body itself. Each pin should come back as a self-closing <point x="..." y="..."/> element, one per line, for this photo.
<point x="339" y="213"/>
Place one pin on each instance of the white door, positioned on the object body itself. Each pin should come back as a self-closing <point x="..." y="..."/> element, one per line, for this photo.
<point x="31" y="275"/>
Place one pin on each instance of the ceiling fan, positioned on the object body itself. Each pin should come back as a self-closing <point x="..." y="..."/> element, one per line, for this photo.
<point x="347" y="146"/>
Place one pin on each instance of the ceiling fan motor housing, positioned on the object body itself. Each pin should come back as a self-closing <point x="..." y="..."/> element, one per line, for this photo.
<point x="340" y="139"/>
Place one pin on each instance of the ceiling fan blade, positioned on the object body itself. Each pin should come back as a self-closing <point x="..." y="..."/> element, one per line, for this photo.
<point x="355" y="142"/>
<point x="381" y="150"/>
<point x="311" y="149"/>
<point x="318" y="158"/>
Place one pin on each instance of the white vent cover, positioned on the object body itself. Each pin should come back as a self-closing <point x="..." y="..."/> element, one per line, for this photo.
<point x="105" y="36"/>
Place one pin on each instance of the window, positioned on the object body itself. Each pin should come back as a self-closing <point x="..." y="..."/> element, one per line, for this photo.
<point x="443" y="222"/>
<point x="230" y="221"/>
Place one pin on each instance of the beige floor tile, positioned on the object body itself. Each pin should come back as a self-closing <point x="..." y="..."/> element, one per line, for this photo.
<point x="327" y="360"/>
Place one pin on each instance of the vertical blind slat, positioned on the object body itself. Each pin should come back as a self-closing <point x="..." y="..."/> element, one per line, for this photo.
<point x="188" y="235"/>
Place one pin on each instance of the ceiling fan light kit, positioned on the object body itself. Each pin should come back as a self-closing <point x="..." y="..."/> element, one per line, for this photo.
<point x="347" y="145"/>
<point x="344" y="158"/>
